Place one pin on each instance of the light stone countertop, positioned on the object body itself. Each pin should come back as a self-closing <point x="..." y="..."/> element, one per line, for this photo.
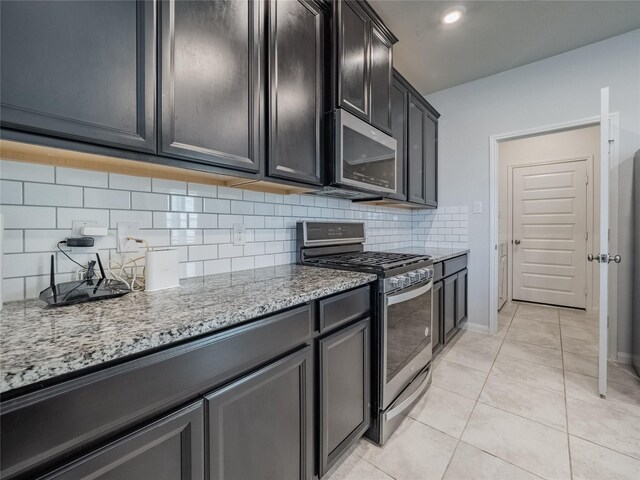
<point x="39" y="344"/>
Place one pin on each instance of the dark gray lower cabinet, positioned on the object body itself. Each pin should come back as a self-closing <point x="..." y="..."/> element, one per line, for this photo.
<point x="436" y="318"/>
<point x="461" y="297"/>
<point x="449" y="304"/>
<point x="171" y="448"/>
<point x="80" y="70"/>
<point x="345" y="391"/>
<point x="260" y="426"/>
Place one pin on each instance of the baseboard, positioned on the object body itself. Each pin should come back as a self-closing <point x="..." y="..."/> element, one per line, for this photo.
<point x="625" y="358"/>
<point x="476" y="327"/>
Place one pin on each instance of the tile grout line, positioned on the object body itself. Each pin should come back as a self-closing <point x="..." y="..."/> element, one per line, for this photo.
<point x="566" y="406"/>
<point x="474" y="407"/>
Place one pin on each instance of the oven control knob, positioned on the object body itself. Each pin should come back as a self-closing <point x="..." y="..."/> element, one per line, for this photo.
<point x="403" y="281"/>
<point x="414" y="276"/>
<point x="422" y="273"/>
<point x="397" y="282"/>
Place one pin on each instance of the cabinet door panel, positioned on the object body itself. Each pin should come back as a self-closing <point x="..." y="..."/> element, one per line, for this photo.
<point x="296" y="56"/>
<point x="353" y="58"/>
<point x="211" y="81"/>
<point x="169" y="449"/>
<point x="260" y="425"/>
<point x="399" y="131"/>
<point x="461" y="297"/>
<point x="81" y="70"/>
<point x="449" y="307"/>
<point x="416" y="152"/>
<point x="436" y="318"/>
<point x="345" y="391"/>
<point x="431" y="160"/>
<point x="381" y="74"/>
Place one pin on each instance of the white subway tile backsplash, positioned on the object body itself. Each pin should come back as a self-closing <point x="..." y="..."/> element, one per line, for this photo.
<point x="25" y="264"/>
<point x="242" y="208"/>
<point x="203" y="220"/>
<point x="160" y="185"/>
<point x="55" y="195"/>
<point x="215" y="205"/>
<point x="43" y="240"/>
<point x="10" y="192"/>
<point x="102" y="198"/>
<point x="20" y="216"/>
<point x="197" y="220"/>
<point x="31" y="172"/>
<point x="13" y="241"/>
<point x="82" y="178"/>
<point x="128" y="182"/>
<point x="186" y="237"/>
<point x="149" y="201"/>
<point x="203" y="252"/>
<point x="229" y="193"/>
<point x="227" y="221"/>
<point x="217" y="236"/>
<point x="230" y="250"/>
<point x="12" y="289"/>
<point x="213" y="267"/>
<point x="202" y="190"/>
<point x="66" y="216"/>
<point x="143" y="219"/>
<point x="186" y="204"/>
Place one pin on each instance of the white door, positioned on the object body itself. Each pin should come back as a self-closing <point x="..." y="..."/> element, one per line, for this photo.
<point x="549" y="233"/>
<point x="603" y="258"/>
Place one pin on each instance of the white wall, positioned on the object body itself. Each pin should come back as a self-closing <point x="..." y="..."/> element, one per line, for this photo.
<point x="577" y="143"/>
<point x="552" y="91"/>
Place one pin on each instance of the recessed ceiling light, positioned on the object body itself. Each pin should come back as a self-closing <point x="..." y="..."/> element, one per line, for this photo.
<point x="452" y="16"/>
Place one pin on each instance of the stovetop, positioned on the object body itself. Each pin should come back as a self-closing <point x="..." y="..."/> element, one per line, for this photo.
<point x="377" y="262"/>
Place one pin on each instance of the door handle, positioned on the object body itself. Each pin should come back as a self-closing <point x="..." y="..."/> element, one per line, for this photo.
<point x="604" y="258"/>
<point x="517" y="242"/>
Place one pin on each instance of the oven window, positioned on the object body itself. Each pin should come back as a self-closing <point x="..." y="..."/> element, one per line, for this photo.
<point x="367" y="161"/>
<point x="406" y="324"/>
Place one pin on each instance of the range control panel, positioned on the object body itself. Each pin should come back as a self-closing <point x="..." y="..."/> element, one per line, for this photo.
<point x="409" y="278"/>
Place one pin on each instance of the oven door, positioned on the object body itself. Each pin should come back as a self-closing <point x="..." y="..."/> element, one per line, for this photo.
<point x="406" y="338"/>
<point x="365" y="156"/>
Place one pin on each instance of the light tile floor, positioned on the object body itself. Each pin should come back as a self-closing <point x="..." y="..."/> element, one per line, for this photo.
<point x="519" y="405"/>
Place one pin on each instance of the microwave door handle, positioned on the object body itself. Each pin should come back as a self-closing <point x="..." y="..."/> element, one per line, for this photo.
<point x="410" y="295"/>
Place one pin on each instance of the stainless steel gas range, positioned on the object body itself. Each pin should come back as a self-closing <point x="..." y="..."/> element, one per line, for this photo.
<point x="401" y="341"/>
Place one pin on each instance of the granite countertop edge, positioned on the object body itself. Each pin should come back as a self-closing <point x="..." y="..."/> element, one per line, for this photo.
<point x="17" y="371"/>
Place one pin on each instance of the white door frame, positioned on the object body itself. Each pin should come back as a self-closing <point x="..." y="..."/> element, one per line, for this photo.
<point x="589" y="277"/>
<point x="494" y="140"/>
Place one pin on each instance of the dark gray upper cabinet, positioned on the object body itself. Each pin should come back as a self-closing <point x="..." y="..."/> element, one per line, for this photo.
<point x="354" y="31"/>
<point x="416" y="188"/>
<point x="170" y="449"/>
<point x="296" y="90"/>
<point x="261" y="425"/>
<point x="80" y="70"/>
<point x="211" y="81"/>
<point x="381" y="75"/>
<point x="345" y="391"/>
<point x="399" y="106"/>
<point x="431" y="159"/>
<point x="364" y="62"/>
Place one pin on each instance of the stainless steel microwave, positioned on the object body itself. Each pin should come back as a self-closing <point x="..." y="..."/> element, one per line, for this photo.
<point x="365" y="156"/>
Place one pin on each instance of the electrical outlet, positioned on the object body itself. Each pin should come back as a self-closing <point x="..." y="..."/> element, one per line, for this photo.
<point x="124" y="230"/>
<point x="239" y="234"/>
<point x="76" y="231"/>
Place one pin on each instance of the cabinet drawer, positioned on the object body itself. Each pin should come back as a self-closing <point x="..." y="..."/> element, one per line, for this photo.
<point x="345" y="307"/>
<point x="39" y="428"/>
<point x="455" y="265"/>
<point x="437" y="271"/>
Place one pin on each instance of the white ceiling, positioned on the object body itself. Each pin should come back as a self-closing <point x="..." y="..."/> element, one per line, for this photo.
<point x="494" y="36"/>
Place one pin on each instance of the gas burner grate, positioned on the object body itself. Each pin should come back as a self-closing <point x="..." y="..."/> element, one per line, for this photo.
<point x="381" y="260"/>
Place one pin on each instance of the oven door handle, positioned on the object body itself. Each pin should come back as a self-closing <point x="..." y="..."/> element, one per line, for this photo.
<point x="410" y="295"/>
<point x="398" y="409"/>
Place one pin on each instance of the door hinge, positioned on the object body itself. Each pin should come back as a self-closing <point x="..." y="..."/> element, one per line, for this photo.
<point x="587" y="182"/>
<point x="586" y="235"/>
<point x="586" y="292"/>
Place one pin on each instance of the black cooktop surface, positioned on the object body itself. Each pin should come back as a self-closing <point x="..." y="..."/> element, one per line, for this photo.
<point x="367" y="261"/>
